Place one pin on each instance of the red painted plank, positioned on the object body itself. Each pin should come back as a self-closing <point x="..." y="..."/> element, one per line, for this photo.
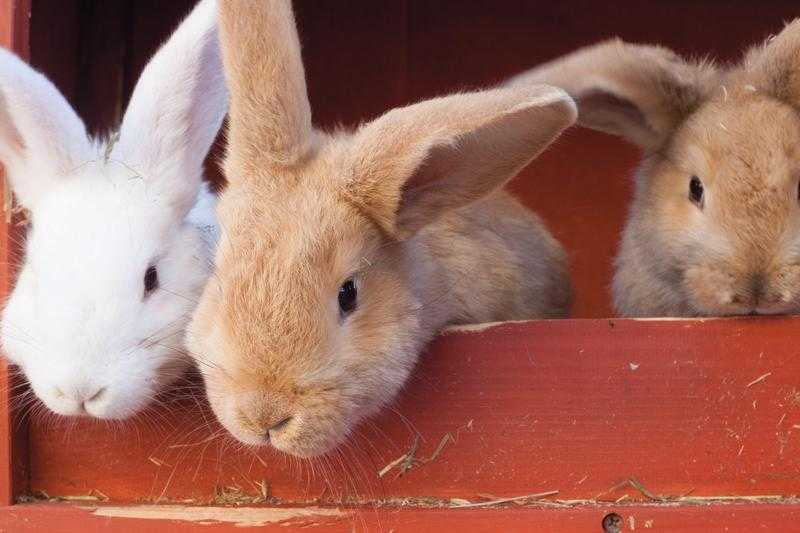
<point x="686" y="407"/>
<point x="14" y="24"/>
<point x="733" y="518"/>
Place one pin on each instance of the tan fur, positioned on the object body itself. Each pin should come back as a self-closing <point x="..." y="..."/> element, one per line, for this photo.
<point x="410" y="206"/>
<point x="268" y="126"/>
<point x="641" y="92"/>
<point x="735" y="128"/>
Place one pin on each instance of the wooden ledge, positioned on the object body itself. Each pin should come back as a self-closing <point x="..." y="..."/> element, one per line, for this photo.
<point x="597" y="410"/>
<point x="61" y="518"/>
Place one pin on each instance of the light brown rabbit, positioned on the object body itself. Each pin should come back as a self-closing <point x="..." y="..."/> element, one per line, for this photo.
<point x="714" y="228"/>
<point x="342" y="254"/>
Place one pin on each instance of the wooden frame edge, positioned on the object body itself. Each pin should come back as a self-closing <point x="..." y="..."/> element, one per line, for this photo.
<point x="14" y="35"/>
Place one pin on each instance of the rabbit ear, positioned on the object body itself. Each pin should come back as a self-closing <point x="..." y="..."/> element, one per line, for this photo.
<point x="775" y="65"/>
<point x="41" y="137"/>
<point x="413" y="164"/>
<point x="270" y="123"/>
<point x="176" y="110"/>
<point x="639" y="92"/>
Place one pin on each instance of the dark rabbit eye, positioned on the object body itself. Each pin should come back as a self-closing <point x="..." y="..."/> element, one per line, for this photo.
<point x="696" y="191"/>
<point x="348" y="296"/>
<point x="150" y="280"/>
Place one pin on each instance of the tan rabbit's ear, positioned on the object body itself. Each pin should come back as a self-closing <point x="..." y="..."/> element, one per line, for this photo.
<point x="775" y="65"/>
<point x="270" y="117"/>
<point x="636" y="91"/>
<point x="413" y="164"/>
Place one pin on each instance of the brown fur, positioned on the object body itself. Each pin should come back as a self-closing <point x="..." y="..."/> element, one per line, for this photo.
<point x="409" y="206"/>
<point x="735" y="128"/>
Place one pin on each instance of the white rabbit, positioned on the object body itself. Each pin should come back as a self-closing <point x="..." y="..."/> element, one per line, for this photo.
<point x="122" y="231"/>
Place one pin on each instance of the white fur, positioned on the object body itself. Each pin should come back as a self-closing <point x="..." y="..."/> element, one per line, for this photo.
<point x="78" y="322"/>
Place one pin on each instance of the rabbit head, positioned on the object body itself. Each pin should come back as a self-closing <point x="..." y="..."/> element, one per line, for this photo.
<point x="113" y="265"/>
<point x="714" y="228"/>
<point x="312" y="320"/>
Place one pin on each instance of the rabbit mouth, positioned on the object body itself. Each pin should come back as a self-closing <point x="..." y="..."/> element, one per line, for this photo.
<point x="263" y="419"/>
<point x="297" y="438"/>
<point x="756" y="309"/>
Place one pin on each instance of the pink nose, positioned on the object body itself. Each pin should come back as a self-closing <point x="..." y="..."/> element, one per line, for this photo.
<point x="265" y="414"/>
<point x="82" y="396"/>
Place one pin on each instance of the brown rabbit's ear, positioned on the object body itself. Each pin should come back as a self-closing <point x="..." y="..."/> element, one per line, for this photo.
<point x="413" y="164"/>
<point x="270" y="117"/>
<point x="775" y="65"/>
<point x="639" y="92"/>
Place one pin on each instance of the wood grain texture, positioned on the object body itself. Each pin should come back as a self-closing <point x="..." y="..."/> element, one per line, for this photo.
<point x="706" y="408"/>
<point x="14" y="26"/>
<point x="738" y="518"/>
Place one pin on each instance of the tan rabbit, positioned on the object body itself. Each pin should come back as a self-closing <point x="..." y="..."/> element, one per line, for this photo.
<point x="714" y="227"/>
<point x="342" y="254"/>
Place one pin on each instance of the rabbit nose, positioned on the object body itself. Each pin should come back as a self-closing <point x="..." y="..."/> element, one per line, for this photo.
<point x="279" y="426"/>
<point x="82" y="396"/>
<point x="94" y="398"/>
<point x="751" y="291"/>
<point x="264" y="416"/>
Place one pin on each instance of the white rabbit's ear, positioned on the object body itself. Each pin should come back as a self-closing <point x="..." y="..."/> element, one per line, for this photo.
<point x="41" y="137"/>
<point x="639" y="92"/>
<point x="270" y="124"/>
<point x="414" y="164"/>
<point x="176" y="110"/>
<point x="775" y="65"/>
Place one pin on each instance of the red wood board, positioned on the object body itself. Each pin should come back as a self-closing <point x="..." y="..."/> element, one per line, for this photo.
<point x="735" y="518"/>
<point x="14" y="23"/>
<point x="707" y="408"/>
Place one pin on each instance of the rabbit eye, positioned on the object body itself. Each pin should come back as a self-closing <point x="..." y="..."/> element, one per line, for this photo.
<point x="696" y="191"/>
<point x="150" y="280"/>
<point x="348" y="296"/>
